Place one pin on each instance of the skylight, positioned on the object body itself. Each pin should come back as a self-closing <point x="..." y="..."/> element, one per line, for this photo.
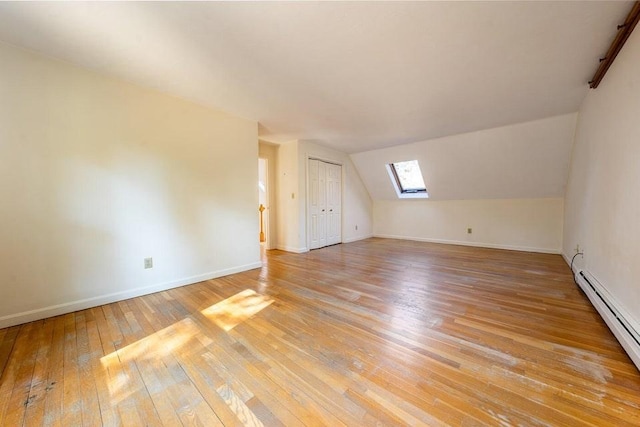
<point x="407" y="179"/>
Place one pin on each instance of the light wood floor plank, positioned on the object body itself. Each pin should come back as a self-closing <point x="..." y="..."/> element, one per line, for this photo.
<point x="34" y="408"/>
<point x="72" y="403"/>
<point x="376" y="332"/>
<point x="20" y="374"/>
<point x="54" y="397"/>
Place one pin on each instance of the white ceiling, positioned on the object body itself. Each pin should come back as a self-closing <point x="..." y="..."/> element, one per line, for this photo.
<point x="353" y="76"/>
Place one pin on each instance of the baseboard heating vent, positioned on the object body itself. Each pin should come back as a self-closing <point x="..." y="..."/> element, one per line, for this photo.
<point x="620" y="323"/>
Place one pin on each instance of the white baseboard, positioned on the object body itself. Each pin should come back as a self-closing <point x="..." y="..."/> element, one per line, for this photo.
<point x="621" y="323"/>
<point x="69" y="307"/>
<point x="292" y="249"/>
<point x="355" y="239"/>
<point x="475" y="244"/>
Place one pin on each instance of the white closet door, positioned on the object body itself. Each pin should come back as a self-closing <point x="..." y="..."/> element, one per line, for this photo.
<point x="317" y="204"/>
<point x="325" y="204"/>
<point x="334" y="204"/>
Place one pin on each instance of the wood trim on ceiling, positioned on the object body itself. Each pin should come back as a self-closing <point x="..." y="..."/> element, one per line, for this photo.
<point x="624" y="31"/>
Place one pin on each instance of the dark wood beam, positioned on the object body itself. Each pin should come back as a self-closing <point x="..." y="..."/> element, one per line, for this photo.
<point x="624" y="31"/>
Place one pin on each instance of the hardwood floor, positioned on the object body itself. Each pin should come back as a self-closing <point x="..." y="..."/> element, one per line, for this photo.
<point x="367" y="333"/>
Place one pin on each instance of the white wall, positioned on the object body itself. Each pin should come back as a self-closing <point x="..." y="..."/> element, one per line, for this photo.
<point x="292" y="195"/>
<point x="522" y="224"/>
<point x="288" y="231"/>
<point x="602" y="203"/>
<point x="97" y="174"/>
<point x="356" y="203"/>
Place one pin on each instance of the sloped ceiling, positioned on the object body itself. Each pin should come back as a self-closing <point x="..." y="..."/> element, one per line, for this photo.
<point x="353" y="76"/>
<point x="527" y="160"/>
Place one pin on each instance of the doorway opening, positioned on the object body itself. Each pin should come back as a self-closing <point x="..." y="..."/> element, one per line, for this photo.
<point x="263" y="202"/>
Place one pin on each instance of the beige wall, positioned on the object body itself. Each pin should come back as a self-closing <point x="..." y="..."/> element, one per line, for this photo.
<point x="98" y="174"/>
<point x="521" y="224"/>
<point x="602" y="203"/>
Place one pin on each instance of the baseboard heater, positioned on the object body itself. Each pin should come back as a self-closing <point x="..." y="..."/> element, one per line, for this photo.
<point x="618" y="321"/>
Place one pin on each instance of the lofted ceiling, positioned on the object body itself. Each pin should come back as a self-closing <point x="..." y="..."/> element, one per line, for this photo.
<point x="525" y="160"/>
<point x="354" y="76"/>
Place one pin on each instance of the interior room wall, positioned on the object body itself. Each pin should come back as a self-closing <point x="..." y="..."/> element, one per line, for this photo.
<point x="602" y="205"/>
<point x="507" y="184"/>
<point x="270" y="152"/>
<point x="98" y="174"/>
<point x="357" y="220"/>
<point x="288" y="231"/>
<point x="533" y="225"/>
<point x="356" y="202"/>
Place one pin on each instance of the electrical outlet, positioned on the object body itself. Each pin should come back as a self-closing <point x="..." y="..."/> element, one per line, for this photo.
<point x="148" y="263"/>
<point x="577" y="249"/>
<point x="356" y="228"/>
<point x="469" y="230"/>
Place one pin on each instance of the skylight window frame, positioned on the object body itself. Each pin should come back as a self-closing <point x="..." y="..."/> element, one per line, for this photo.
<point x="402" y="193"/>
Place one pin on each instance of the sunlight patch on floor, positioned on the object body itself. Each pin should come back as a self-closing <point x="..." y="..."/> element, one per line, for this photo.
<point x="154" y="348"/>
<point x="236" y="309"/>
<point x="149" y="349"/>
